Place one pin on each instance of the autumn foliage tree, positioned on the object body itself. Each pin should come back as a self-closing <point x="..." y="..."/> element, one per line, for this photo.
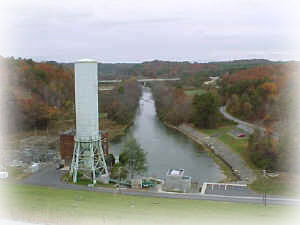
<point x="36" y="93"/>
<point x="121" y="104"/>
<point x="172" y="105"/>
<point x="253" y="94"/>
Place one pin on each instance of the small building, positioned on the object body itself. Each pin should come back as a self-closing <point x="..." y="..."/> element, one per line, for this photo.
<point x="176" y="181"/>
<point x="212" y="81"/>
<point x="3" y="175"/>
<point x="35" y="167"/>
<point x="66" y="146"/>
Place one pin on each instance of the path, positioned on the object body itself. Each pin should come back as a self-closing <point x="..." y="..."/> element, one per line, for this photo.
<point x="222" y="150"/>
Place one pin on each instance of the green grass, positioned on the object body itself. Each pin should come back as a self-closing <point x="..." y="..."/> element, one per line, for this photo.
<point x="275" y="186"/>
<point x="269" y="185"/>
<point x="84" y="182"/>
<point x="40" y="200"/>
<point x="102" y="115"/>
<point x="194" y="92"/>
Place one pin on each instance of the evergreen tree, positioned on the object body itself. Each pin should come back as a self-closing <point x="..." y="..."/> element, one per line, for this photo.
<point x="205" y="110"/>
<point x="133" y="157"/>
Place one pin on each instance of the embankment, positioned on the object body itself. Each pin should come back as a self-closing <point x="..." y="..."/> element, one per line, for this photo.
<point x="229" y="162"/>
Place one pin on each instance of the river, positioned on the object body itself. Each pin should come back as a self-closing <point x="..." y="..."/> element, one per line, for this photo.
<point x="167" y="148"/>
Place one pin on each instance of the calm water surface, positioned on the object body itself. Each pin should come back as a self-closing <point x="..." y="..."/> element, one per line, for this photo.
<point x="167" y="148"/>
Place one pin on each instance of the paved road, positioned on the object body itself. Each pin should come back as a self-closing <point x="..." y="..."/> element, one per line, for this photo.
<point x="50" y="177"/>
<point x="247" y="126"/>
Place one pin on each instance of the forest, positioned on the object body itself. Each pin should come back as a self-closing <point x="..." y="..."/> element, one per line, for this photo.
<point x="187" y="70"/>
<point x="120" y="105"/>
<point x="258" y="94"/>
<point x="262" y="95"/>
<point x="35" y="93"/>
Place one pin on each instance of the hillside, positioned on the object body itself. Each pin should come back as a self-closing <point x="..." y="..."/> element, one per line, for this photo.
<point x="40" y="96"/>
<point x="35" y="93"/>
<point x="259" y="93"/>
<point x="158" y="68"/>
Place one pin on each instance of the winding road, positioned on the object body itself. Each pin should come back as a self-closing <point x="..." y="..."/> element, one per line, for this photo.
<point x="248" y="127"/>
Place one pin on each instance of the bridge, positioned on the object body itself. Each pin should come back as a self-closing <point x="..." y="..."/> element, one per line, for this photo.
<point x="142" y="80"/>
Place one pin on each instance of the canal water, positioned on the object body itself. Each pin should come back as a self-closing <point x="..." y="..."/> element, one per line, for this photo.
<point x="167" y="148"/>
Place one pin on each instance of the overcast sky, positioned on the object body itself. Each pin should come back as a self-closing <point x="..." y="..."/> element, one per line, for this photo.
<point x="139" y="30"/>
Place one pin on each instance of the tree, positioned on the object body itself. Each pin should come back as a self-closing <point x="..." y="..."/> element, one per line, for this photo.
<point x="262" y="151"/>
<point x="172" y="105"/>
<point x="110" y="160"/>
<point x="205" y="109"/>
<point x="247" y="109"/>
<point x="235" y="104"/>
<point x="133" y="157"/>
<point x="119" y="172"/>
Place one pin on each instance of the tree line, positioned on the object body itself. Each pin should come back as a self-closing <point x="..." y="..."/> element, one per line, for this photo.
<point x="36" y="93"/>
<point x="175" y="107"/>
<point x="257" y="94"/>
<point x="121" y="104"/>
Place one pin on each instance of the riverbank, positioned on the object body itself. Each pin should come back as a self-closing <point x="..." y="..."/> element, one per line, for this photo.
<point x="229" y="160"/>
<point x="115" y="130"/>
<point x="224" y="166"/>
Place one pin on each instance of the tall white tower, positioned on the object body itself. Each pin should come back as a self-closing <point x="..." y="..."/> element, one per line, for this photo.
<point x="88" y="156"/>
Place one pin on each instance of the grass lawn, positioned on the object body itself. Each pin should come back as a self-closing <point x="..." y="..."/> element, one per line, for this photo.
<point x="43" y="200"/>
<point x="194" y="92"/>
<point x="102" y="115"/>
<point x="237" y="145"/>
<point x="281" y="185"/>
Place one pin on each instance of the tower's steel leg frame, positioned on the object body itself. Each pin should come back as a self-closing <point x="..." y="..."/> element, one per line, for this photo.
<point x="88" y="157"/>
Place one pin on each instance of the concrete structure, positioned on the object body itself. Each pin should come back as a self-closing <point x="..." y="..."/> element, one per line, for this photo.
<point x="86" y="100"/>
<point x="3" y="175"/>
<point x="88" y="156"/>
<point x="176" y="181"/>
<point x="35" y="167"/>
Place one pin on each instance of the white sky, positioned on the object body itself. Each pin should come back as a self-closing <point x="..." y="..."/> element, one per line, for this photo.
<point x="139" y="30"/>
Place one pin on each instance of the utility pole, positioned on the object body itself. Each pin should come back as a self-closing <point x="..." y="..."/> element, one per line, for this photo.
<point x="265" y="192"/>
<point x="131" y="164"/>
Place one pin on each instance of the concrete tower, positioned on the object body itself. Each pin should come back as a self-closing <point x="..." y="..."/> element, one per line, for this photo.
<point x="88" y="156"/>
